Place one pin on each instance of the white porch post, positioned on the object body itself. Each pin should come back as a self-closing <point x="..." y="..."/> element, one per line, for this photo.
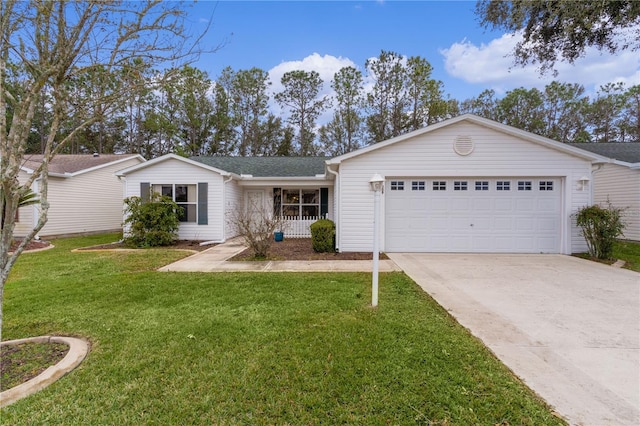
<point x="377" y="183"/>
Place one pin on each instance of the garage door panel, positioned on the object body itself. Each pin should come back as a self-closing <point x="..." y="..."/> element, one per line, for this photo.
<point x="473" y="220"/>
<point x="480" y="204"/>
<point x="546" y="205"/>
<point x="503" y="205"/>
<point x="459" y="204"/>
<point x="525" y="205"/>
<point x="504" y="223"/>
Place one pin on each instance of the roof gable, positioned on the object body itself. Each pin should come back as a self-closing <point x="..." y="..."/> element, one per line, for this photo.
<point x="159" y="160"/>
<point x="72" y="165"/>
<point x="503" y="128"/>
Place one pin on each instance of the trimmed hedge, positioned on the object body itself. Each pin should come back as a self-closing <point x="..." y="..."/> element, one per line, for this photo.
<point x="323" y="236"/>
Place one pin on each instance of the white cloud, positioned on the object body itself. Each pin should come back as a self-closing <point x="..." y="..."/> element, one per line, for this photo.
<point x="326" y="66"/>
<point x="492" y="66"/>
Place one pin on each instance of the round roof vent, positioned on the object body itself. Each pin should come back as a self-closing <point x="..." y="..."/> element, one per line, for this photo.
<point x="463" y="145"/>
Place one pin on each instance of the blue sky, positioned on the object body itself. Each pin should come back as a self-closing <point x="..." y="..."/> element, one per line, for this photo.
<point x="325" y="36"/>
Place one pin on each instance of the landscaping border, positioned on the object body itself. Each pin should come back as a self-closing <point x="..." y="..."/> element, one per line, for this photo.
<point x="78" y="350"/>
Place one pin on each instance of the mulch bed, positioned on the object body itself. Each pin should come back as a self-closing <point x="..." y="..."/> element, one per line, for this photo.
<point x="32" y="245"/>
<point x="21" y="363"/>
<point x="301" y="249"/>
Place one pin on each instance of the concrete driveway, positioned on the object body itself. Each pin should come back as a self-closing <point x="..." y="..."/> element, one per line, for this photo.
<point x="569" y="328"/>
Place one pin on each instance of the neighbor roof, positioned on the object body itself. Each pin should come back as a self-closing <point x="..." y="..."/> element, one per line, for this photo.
<point x="628" y="152"/>
<point x="65" y="164"/>
<point x="267" y="166"/>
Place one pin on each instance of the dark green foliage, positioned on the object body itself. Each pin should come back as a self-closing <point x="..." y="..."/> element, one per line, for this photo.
<point x="562" y="30"/>
<point x="600" y="228"/>
<point x="323" y="236"/>
<point x="153" y="223"/>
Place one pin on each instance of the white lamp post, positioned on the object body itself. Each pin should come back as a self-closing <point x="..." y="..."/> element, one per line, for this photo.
<point x="377" y="185"/>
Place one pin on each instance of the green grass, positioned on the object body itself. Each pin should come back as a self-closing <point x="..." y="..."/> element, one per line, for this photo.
<point x="629" y="252"/>
<point x="251" y="348"/>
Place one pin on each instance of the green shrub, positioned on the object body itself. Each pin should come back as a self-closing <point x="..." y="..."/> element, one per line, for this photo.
<point x="152" y="223"/>
<point x="600" y="228"/>
<point x="323" y="236"/>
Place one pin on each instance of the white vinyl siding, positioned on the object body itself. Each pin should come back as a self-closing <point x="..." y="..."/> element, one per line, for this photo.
<point x="174" y="171"/>
<point x="233" y="199"/>
<point x="496" y="154"/>
<point x="85" y="203"/>
<point x="620" y="186"/>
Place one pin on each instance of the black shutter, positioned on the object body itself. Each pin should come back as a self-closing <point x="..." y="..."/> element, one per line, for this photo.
<point x="324" y="202"/>
<point x="145" y="191"/>
<point x="203" y="216"/>
<point x="277" y="202"/>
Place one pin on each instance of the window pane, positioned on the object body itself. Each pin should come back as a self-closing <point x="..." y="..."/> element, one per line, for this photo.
<point x="524" y="185"/>
<point x="397" y="185"/>
<point x="181" y="194"/>
<point x="417" y="185"/>
<point x="310" y="211"/>
<point x="439" y="185"/>
<point x="482" y="185"/>
<point x="164" y="190"/>
<point x="460" y="186"/>
<point x="546" y="185"/>
<point x="167" y="190"/>
<point x="291" y="196"/>
<point x="187" y="212"/>
<point x="310" y="196"/>
<point x="503" y="185"/>
<point x="290" y="210"/>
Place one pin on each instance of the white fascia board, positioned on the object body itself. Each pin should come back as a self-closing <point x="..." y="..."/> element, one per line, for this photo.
<point x="633" y="166"/>
<point x="167" y="157"/>
<point x="494" y="125"/>
<point x="111" y="163"/>
<point x="286" y="181"/>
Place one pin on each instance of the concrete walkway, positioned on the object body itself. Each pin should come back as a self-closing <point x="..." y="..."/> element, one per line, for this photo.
<point x="568" y="327"/>
<point x="215" y="260"/>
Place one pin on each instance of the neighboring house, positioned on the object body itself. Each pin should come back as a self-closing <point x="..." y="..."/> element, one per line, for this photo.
<point x="618" y="182"/>
<point x="467" y="184"/>
<point x="84" y="194"/>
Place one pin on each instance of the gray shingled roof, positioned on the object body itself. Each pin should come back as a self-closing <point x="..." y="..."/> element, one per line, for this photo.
<point x="628" y="152"/>
<point x="267" y="166"/>
<point x="64" y="163"/>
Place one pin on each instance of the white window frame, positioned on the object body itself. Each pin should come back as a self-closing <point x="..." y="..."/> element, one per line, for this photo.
<point x="160" y="188"/>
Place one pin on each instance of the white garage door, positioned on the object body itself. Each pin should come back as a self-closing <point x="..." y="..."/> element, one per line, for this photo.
<point x="504" y="215"/>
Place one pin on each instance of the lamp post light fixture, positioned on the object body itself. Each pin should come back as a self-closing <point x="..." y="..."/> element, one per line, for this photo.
<point x="583" y="181"/>
<point x="377" y="186"/>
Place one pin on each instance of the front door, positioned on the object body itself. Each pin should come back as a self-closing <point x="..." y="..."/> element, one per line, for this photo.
<point x="254" y="204"/>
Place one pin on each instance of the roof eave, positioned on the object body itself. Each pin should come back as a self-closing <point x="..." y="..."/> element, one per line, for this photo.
<point x="167" y="157"/>
<point x="494" y="125"/>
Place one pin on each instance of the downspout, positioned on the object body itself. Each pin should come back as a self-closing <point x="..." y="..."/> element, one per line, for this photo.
<point x="594" y="170"/>
<point x="124" y="195"/>
<point x="336" y="206"/>
<point x="34" y="211"/>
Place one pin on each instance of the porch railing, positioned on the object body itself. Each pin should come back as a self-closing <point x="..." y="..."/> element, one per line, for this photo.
<point x="295" y="227"/>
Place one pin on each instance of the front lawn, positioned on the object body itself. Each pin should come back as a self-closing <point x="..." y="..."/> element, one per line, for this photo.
<point x="251" y="348"/>
<point x="628" y="251"/>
